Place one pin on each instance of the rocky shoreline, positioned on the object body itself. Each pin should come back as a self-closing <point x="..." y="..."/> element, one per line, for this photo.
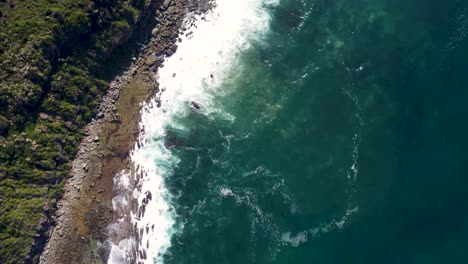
<point x="79" y="234"/>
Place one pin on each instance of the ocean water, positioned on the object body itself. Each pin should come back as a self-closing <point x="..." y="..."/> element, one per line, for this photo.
<point x="327" y="132"/>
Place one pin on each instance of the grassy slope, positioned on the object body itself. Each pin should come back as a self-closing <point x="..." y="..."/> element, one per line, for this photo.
<point x="50" y="57"/>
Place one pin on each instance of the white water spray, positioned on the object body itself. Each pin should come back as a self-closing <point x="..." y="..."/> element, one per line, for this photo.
<point x="195" y="73"/>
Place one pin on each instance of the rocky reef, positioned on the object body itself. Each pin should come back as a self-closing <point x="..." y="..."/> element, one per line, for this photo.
<point x="57" y="61"/>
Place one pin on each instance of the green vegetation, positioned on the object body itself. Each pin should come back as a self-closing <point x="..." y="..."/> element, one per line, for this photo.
<point x="51" y="55"/>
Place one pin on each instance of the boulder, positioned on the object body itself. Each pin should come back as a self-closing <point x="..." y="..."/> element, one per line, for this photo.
<point x="168" y="52"/>
<point x="195" y="105"/>
<point x="174" y="34"/>
<point x="166" y="33"/>
<point x="44" y="116"/>
<point x="166" y="3"/>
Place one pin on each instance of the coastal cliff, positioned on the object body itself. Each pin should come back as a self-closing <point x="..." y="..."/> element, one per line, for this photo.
<point x="57" y="61"/>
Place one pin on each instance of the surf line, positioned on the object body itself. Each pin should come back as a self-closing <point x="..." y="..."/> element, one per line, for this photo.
<point x="190" y="79"/>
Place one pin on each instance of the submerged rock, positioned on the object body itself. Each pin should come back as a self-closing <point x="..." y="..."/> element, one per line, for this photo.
<point x="171" y="141"/>
<point x="195" y="105"/>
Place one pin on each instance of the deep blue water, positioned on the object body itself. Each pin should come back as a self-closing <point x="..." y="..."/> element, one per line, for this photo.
<point x="348" y="144"/>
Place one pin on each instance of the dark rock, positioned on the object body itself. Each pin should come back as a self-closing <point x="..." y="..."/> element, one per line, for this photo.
<point x="174" y="34"/>
<point x="195" y="105"/>
<point x="149" y="62"/>
<point x="169" y="52"/>
<point x="157" y="63"/>
<point x="166" y="33"/>
<point x="174" y="47"/>
<point x="166" y="3"/>
<point x="171" y="141"/>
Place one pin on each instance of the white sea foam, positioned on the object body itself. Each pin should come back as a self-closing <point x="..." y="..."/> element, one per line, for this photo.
<point x="225" y="192"/>
<point x="295" y="241"/>
<point x="120" y="246"/>
<point x="203" y="61"/>
<point x="119" y="253"/>
<point x="333" y="225"/>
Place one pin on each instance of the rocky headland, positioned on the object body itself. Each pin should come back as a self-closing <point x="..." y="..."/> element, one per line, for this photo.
<point x="79" y="232"/>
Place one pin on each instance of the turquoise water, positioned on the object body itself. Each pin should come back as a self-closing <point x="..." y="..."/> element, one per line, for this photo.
<point x="346" y="142"/>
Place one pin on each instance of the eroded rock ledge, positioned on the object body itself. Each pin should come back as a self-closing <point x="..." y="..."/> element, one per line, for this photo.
<point x="85" y="211"/>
